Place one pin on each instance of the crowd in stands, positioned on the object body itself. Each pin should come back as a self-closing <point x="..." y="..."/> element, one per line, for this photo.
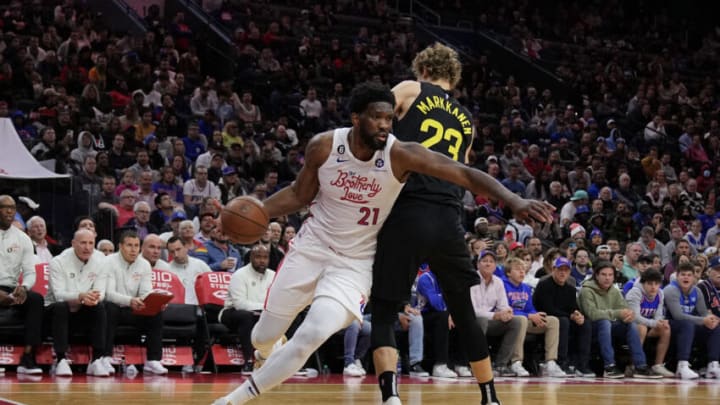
<point x="156" y="147"/>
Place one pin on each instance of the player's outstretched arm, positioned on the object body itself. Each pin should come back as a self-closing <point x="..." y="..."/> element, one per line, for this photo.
<point x="302" y="191"/>
<point x="412" y="157"/>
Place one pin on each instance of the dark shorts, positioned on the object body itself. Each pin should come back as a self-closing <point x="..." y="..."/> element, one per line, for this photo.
<point x="419" y="232"/>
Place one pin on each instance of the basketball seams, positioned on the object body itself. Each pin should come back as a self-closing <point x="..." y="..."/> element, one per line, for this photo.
<point x="245" y="218"/>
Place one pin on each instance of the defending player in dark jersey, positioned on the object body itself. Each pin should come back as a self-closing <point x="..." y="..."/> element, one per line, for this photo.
<point x="426" y="113"/>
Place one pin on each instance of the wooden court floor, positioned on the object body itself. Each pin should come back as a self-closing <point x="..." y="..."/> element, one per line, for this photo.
<point x="335" y="389"/>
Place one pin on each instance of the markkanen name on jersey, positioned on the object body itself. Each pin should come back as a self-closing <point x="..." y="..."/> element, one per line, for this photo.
<point x="437" y="102"/>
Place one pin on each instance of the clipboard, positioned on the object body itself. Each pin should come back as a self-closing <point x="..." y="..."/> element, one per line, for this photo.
<point x="154" y="302"/>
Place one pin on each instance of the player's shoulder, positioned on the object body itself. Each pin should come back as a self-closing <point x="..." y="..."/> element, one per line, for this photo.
<point x="319" y="146"/>
<point x="407" y="88"/>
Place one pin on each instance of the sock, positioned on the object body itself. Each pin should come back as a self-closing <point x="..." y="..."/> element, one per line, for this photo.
<point x="487" y="389"/>
<point x="247" y="391"/>
<point x="388" y="385"/>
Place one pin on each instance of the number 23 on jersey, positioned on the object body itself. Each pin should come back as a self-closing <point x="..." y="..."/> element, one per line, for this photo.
<point x="452" y="135"/>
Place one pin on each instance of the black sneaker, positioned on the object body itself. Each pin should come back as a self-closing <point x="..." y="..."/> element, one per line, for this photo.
<point x="247" y="368"/>
<point x="416" y="370"/>
<point x="28" y="366"/>
<point x="646" y="373"/>
<point x="584" y="372"/>
<point x="613" y="372"/>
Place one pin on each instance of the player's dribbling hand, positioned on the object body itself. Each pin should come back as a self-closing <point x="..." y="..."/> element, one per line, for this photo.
<point x="539" y="210"/>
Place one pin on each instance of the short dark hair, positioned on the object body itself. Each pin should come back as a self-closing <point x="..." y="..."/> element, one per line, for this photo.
<point x="367" y="93"/>
<point x="158" y="198"/>
<point x="685" y="267"/>
<point x="650" y="276"/>
<point x="602" y="265"/>
<point x="127" y="235"/>
<point x="173" y="239"/>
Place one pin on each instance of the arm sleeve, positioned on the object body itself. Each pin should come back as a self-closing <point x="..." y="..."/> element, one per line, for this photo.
<point x="58" y="285"/>
<point x="634" y="298"/>
<point x="590" y="308"/>
<point x="240" y="295"/>
<point x="672" y="303"/>
<point x="476" y="298"/>
<point x="529" y="307"/>
<point x="425" y="287"/>
<point x="28" y="263"/>
<point x="145" y="281"/>
<point x="111" y="292"/>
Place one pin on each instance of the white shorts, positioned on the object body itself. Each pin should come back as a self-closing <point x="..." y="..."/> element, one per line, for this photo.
<point x="311" y="269"/>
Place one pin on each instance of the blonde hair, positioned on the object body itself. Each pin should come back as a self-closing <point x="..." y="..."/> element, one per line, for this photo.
<point x="438" y="62"/>
<point x="513" y="261"/>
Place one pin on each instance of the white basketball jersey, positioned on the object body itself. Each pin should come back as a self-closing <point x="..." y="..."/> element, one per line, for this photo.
<point x="354" y="199"/>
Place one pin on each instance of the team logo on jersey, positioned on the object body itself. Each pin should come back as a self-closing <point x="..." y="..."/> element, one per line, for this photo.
<point x="358" y="188"/>
<point x="341" y="149"/>
<point x="379" y="163"/>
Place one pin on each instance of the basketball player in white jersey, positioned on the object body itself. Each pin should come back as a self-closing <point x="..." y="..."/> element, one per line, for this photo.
<point x="351" y="179"/>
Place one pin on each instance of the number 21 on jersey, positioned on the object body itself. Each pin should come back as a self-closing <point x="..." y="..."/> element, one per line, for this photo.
<point x="369" y="216"/>
<point x="450" y="134"/>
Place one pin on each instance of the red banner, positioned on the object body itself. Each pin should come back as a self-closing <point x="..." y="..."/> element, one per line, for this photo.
<point x="10" y="355"/>
<point x="177" y="355"/>
<point x="228" y="355"/>
<point x="77" y="354"/>
<point x="211" y="287"/>
<point x="134" y="354"/>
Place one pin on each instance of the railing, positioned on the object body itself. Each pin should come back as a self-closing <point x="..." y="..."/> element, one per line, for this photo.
<point x="419" y="11"/>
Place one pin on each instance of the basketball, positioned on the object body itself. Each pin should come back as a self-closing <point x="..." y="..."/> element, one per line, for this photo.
<point x="244" y="220"/>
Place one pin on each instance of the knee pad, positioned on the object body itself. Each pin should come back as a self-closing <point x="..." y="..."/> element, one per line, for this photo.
<point x="384" y="315"/>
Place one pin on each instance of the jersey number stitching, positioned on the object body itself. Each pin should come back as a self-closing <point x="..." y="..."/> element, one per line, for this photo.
<point x="365" y="211"/>
<point x="440" y="134"/>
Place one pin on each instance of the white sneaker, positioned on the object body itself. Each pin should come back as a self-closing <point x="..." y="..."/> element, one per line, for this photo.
<point x="187" y="369"/>
<point x="684" y="372"/>
<point x="62" y="369"/>
<point x="553" y="370"/>
<point x="96" y="368"/>
<point x="351" y="370"/>
<point x="222" y="401"/>
<point x="463" y="371"/>
<point x="713" y="370"/>
<point x="360" y="367"/>
<point x="154" y="367"/>
<point x="442" y="370"/>
<point x="107" y="362"/>
<point x="660" y="369"/>
<point x="393" y="401"/>
<point x="519" y="370"/>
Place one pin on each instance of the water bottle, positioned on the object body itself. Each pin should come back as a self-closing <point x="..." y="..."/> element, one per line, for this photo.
<point x="131" y="371"/>
<point x="399" y="363"/>
<point x="325" y="369"/>
<point x="123" y="365"/>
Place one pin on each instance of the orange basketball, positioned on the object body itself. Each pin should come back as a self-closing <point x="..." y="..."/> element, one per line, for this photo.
<point x="244" y="220"/>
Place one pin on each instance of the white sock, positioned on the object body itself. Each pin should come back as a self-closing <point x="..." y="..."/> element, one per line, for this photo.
<point x="243" y="393"/>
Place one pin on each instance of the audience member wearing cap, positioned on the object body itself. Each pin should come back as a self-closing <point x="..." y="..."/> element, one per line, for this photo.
<point x="495" y="315"/>
<point x="603" y="252"/>
<point x="568" y="211"/>
<point x="556" y="296"/>
<point x="482" y="228"/>
<point x="577" y="231"/>
<point x="695" y="311"/>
